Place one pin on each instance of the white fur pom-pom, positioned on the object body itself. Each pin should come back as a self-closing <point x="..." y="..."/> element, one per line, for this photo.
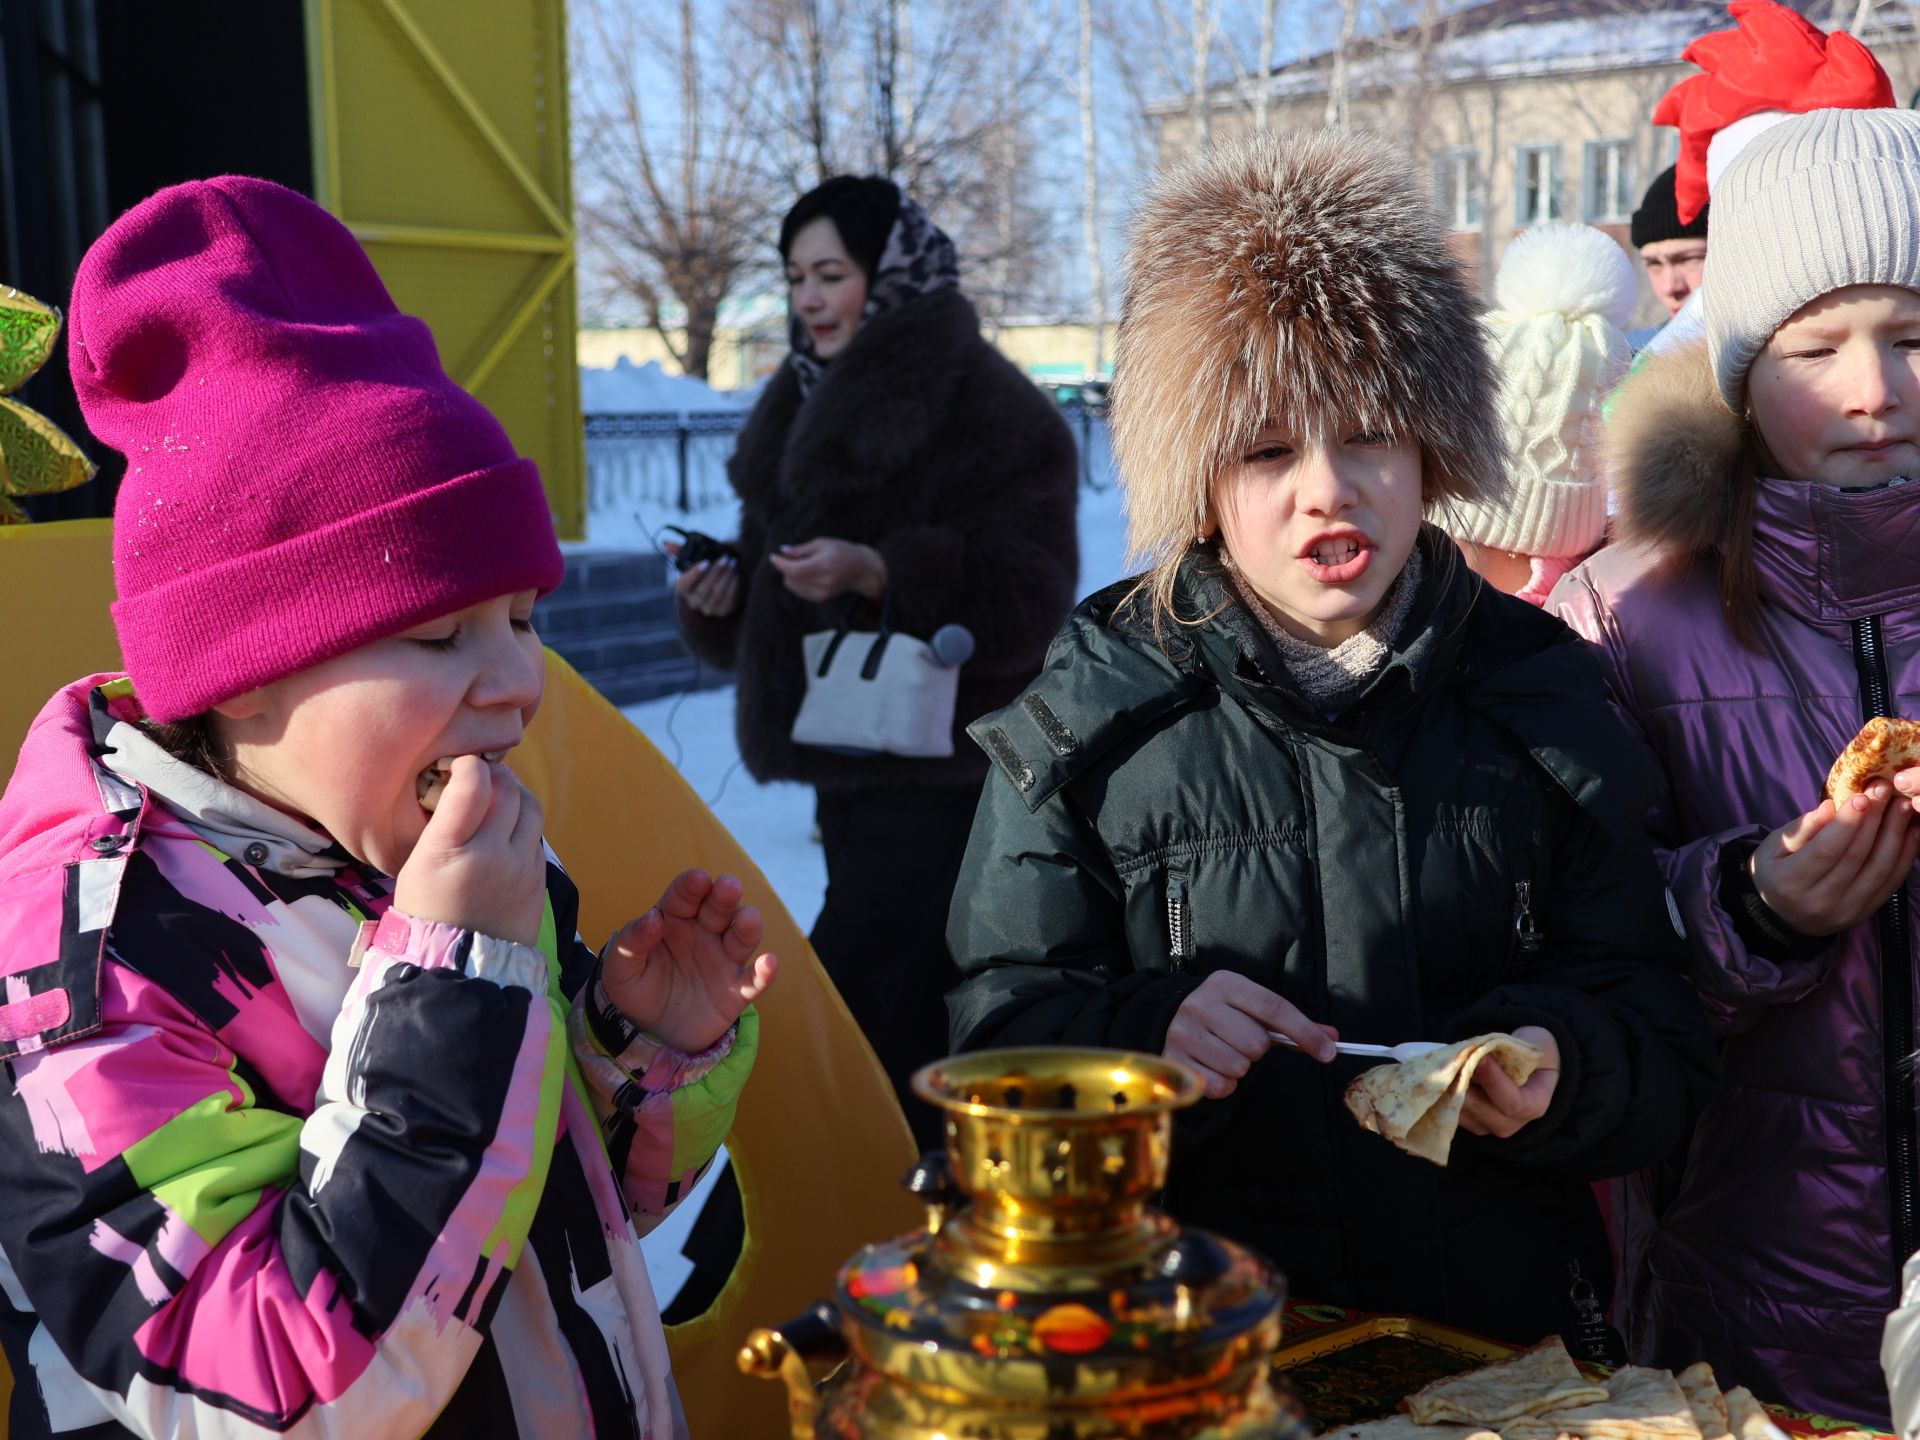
<point x="1566" y="269"/>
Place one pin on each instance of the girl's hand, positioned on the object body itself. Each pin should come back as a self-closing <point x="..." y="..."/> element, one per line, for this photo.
<point x="821" y="569"/>
<point x="479" y="863"/>
<point x="685" y="970"/>
<point x="1496" y="1106"/>
<point x="1834" y="866"/>
<point x="1221" y="1029"/>
<point x="711" y="588"/>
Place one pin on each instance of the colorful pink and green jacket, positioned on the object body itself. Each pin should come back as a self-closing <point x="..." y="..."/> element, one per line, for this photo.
<point x="277" y="1159"/>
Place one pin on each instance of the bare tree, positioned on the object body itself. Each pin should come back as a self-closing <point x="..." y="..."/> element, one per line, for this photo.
<point x="1090" y="195"/>
<point x="1200" y="33"/>
<point x="672" y="205"/>
<point x="1191" y="58"/>
<point x="942" y="96"/>
<point x="791" y="62"/>
<point x="1263" y="64"/>
<point x="1339" y="98"/>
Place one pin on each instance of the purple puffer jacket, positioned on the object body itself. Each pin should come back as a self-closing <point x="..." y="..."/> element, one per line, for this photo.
<point x="1769" y="1251"/>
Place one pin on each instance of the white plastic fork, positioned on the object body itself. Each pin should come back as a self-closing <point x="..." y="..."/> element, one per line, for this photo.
<point x="1405" y="1050"/>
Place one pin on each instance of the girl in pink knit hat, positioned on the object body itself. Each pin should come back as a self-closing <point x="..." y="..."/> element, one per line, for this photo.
<point x="321" y="1119"/>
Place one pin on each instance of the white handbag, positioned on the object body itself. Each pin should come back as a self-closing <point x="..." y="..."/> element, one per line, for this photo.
<point x="876" y="692"/>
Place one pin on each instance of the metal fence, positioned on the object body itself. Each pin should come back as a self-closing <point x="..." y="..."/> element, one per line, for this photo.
<point x="681" y="460"/>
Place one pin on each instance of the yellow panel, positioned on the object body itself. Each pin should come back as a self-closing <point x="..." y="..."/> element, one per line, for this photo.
<point x="56" y="582"/>
<point x="541" y="364"/>
<point x="468" y="294"/>
<point x="440" y="137"/>
<point x="445" y="173"/>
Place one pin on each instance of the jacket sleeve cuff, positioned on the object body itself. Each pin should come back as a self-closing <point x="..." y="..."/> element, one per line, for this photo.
<point x="1758" y="925"/>
<point x="399" y="938"/>
<point x="1142" y="1019"/>
<point x="664" y="1120"/>
<point x="1504" y="1017"/>
<point x="624" y="1062"/>
<point x="713" y="639"/>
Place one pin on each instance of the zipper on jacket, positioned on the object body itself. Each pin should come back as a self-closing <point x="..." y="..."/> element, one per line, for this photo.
<point x="1896" y="984"/>
<point x="1179" y="917"/>
<point x="1526" y="934"/>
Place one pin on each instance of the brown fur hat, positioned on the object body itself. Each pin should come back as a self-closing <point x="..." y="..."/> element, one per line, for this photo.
<point x="1301" y="279"/>
<point x="1672" y="452"/>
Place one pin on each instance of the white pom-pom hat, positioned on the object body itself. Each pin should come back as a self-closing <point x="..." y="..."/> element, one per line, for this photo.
<point x="1564" y="295"/>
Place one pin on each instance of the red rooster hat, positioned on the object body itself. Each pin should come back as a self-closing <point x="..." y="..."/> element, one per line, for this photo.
<point x="1772" y="60"/>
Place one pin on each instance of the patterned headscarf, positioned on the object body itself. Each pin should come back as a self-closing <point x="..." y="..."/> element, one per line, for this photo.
<point x="918" y="259"/>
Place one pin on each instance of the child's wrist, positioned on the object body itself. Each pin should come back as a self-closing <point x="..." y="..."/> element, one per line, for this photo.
<point x="443" y="945"/>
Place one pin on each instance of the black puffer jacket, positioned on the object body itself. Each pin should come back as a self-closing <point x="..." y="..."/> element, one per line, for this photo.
<point x="1155" y="819"/>
<point x="926" y="443"/>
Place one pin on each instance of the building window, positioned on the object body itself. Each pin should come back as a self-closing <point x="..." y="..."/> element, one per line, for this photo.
<point x="1666" y="148"/>
<point x="1536" y="184"/>
<point x="1456" y="187"/>
<point x="1609" y="174"/>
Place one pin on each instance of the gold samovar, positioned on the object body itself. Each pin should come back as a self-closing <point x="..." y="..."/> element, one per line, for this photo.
<point x="1044" y="1300"/>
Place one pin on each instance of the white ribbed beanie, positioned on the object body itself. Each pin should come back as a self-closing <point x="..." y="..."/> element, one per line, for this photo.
<point x="1564" y="295"/>
<point x="1820" y="202"/>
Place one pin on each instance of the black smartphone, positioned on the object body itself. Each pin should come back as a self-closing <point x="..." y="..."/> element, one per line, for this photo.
<point x="696" y="549"/>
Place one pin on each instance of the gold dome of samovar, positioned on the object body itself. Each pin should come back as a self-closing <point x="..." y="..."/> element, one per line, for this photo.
<point x="1044" y="1300"/>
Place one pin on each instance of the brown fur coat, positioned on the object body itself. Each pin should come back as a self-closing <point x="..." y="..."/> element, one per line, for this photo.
<point x="926" y="443"/>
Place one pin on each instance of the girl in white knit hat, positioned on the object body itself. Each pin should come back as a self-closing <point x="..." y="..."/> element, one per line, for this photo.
<point x="1759" y="606"/>
<point x="1565" y="294"/>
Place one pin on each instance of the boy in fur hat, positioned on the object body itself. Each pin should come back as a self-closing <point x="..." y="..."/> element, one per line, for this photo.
<point x="1310" y="775"/>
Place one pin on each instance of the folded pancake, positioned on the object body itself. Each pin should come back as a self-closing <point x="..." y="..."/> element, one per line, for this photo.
<point x="1542" y="1378"/>
<point x="1639" y="1404"/>
<point x="1416" y="1104"/>
<point x="1404" y="1427"/>
<point x="1709" y="1406"/>
<point x="1883" y="747"/>
<point x="1747" y="1420"/>
<point x="431" y="783"/>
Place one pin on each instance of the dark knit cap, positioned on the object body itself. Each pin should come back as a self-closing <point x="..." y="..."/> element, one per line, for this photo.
<point x="862" y="208"/>
<point x="1658" y="217"/>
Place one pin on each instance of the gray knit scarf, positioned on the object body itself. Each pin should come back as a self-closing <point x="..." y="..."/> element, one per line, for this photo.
<point x="1331" y="678"/>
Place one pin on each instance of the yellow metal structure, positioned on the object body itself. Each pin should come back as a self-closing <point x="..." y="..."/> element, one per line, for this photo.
<point x="440" y="139"/>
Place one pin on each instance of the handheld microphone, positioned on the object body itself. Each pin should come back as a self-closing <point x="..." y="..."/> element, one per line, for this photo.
<point x="952" y="645"/>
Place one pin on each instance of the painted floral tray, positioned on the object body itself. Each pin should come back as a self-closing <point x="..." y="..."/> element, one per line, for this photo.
<point x="1347" y="1365"/>
<point x="1360" y="1367"/>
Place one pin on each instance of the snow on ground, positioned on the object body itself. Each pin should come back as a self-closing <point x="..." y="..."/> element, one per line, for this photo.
<point x="774" y="823"/>
<point x="628" y="388"/>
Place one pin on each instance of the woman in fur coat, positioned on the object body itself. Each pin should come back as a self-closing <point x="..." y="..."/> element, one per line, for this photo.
<point x="1310" y="774"/>
<point x="1762" y="609"/>
<point x="897" y="457"/>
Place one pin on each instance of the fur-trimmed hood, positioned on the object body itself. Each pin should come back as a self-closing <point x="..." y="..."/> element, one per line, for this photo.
<point x="1826" y="554"/>
<point x="1670" y="452"/>
<point x="1298" y="279"/>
